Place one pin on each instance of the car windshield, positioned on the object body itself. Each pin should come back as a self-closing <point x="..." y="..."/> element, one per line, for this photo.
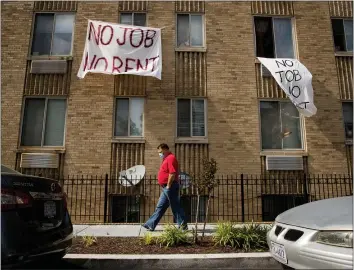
<point x="5" y="169"/>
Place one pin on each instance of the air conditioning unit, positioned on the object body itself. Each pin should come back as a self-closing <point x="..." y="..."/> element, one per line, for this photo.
<point x="265" y="72"/>
<point x="39" y="160"/>
<point x="284" y="163"/>
<point x="48" y="66"/>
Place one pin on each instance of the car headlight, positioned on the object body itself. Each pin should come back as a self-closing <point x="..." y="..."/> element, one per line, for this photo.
<point x="335" y="238"/>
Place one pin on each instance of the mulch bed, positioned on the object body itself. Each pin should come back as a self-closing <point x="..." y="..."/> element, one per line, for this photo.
<point x="134" y="245"/>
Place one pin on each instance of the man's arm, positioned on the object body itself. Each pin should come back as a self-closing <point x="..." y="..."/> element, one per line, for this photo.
<point x="171" y="178"/>
<point x="172" y="166"/>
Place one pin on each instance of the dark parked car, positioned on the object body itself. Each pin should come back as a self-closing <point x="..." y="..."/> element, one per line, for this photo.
<point x="34" y="219"/>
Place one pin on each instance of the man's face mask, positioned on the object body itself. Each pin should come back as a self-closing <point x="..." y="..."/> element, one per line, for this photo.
<point x="161" y="155"/>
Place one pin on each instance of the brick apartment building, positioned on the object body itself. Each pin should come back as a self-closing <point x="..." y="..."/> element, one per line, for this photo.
<point x="214" y="98"/>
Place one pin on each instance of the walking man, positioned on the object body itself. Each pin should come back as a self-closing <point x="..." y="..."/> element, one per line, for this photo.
<point x="169" y="182"/>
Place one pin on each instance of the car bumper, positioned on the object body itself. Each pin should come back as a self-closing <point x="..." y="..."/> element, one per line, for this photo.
<point x="306" y="254"/>
<point x="19" y="245"/>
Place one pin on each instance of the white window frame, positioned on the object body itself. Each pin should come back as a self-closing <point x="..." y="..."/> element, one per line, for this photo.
<point x="203" y="31"/>
<point x="132" y="13"/>
<point x="345" y="36"/>
<point x="130" y="107"/>
<point x="51" y="44"/>
<point x="46" y="98"/>
<point x="292" y="20"/>
<point x="191" y="117"/>
<point x="302" y="128"/>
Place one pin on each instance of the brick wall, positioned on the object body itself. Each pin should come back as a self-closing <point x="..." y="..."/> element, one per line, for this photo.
<point x="15" y="39"/>
<point x="324" y="131"/>
<point x="228" y="80"/>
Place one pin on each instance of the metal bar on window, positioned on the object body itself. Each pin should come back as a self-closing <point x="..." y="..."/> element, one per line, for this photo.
<point x="189" y="29"/>
<point x="274" y="41"/>
<point x="53" y="29"/>
<point x="129" y="116"/>
<point x="44" y="120"/>
<point x="191" y="117"/>
<point x="345" y="35"/>
<point x="281" y="125"/>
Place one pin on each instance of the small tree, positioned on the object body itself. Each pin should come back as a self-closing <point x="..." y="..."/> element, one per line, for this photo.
<point x="205" y="183"/>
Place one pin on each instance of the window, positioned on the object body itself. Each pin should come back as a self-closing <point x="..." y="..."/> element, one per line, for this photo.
<point x="274" y="37"/>
<point x="190" y="30"/>
<point x="129" y="117"/>
<point x="275" y="204"/>
<point x="280" y="125"/>
<point x="53" y="34"/>
<point x="137" y="19"/>
<point x="43" y="122"/>
<point x="125" y="209"/>
<point x="342" y="35"/>
<point x="191" y="117"/>
<point x="348" y="119"/>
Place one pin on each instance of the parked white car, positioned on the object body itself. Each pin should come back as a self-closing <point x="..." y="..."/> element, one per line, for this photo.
<point x="316" y="235"/>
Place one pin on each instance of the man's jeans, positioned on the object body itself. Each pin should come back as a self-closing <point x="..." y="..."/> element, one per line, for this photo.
<point x="168" y="197"/>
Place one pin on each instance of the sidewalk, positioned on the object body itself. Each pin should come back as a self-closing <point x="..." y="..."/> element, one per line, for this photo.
<point x="132" y="230"/>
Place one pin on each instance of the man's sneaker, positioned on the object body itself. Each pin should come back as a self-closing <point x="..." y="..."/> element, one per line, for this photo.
<point x="147" y="227"/>
<point x="184" y="227"/>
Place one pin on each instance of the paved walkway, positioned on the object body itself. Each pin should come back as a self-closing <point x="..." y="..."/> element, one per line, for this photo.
<point x="128" y="230"/>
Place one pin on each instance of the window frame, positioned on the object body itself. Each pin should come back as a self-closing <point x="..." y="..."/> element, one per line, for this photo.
<point x="191" y="118"/>
<point x="133" y="13"/>
<point x="347" y="141"/>
<point x="203" y="31"/>
<point x="46" y="98"/>
<point x="51" y="44"/>
<point x="293" y="28"/>
<point x="302" y="129"/>
<point x="345" y="36"/>
<point x="114" y="117"/>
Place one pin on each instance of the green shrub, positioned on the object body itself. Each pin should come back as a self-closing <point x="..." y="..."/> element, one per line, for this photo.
<point x="173" y="236"/>
<point x="149" y="239"/>
<point x="225" y="235"/>
<point x="252" y="237"/>
<point x="89" y="240"/>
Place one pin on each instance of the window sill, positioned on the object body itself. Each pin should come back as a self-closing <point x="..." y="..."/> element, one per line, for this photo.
<point x="283" y="153"/>
<point x="190" y="49"/>
<point x="49" y="57"/>
<point x="201" y="140"/>
<point x="343" y="53"/>
<point x="128" y="140"/>
<point x="48" y="149"/>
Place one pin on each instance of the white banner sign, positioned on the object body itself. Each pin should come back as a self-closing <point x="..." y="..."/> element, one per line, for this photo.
<point x="121" y="49"/>
<point x="295" y="80"/>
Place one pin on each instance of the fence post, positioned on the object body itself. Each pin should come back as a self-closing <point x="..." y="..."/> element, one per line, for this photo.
<point x="105" y="199"/>
<point x="242" y="199"/>
<point x="306" y="195"/>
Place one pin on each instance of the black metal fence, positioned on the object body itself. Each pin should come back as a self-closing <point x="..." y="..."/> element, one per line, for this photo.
<point x="240" y="198"/>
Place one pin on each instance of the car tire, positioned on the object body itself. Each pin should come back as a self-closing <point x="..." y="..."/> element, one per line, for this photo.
<point x="56" y="257"/>
<point x="285" y="267"/>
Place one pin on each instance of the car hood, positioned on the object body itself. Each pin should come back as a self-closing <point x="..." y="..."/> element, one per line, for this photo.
<point x="330" y="214"/>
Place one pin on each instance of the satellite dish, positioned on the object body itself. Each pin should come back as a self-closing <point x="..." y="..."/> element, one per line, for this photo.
<point x="132" y="176"/>
<point x="184" y="179"/>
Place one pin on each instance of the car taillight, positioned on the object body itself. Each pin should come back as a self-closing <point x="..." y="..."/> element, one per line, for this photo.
<point x="13" y="199"/>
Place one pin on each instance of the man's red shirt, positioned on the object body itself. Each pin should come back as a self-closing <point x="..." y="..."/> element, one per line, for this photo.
<point x="169" y="166"/>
